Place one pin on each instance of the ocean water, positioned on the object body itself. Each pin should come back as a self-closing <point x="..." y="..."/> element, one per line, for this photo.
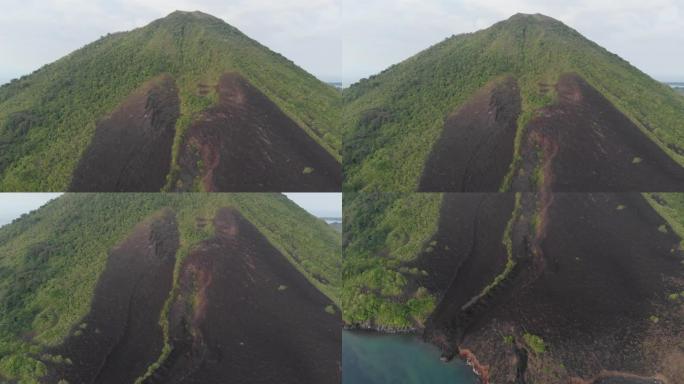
<point x="372" y="358"/>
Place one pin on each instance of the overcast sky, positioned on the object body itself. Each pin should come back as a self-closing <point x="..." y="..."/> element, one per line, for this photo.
<point x="13" y="205"/>
<point x="346" y="39"/>
<point x="378" y="33"/>
<point x="37" y="32"/>
<point x="319" y="204"/>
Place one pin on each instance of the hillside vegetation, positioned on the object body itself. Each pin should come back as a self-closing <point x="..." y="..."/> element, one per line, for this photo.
<point x="671" y="207"/>
<point x="392" y="119"/>
<point x="50" y="259"/>
<point x="48" y="118"/>
<point x="382" y="233"/>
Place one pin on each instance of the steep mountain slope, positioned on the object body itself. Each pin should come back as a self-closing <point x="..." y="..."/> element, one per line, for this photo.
<point x="531" y="288"/>
<point x="58" y="125"/>
<point x="136" y="287"/>
<point x="460" y="116"/>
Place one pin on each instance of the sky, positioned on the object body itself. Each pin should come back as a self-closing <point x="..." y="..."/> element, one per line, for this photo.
<point x="345" y="39"/>
<point x="38" y="32"/>
<point x="319" y="204"/>
<point x="13" y="205"/>
<point x="378" y="33"/>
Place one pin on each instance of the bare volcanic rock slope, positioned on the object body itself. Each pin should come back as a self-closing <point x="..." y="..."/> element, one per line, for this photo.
<point x="592" y="299"/>
<point x="246" y="143"/>
<point x="119" y="114"/>
<point x="244" y="314"/>
<point x="506" y="107"/>
<point x="131" y="149"/>
<point x="582" y="143"/>
<point x="547" y="288"/>
<point x="120" y="336"/>
<point x="169" y="288"/>
<point x="476" y="145"/>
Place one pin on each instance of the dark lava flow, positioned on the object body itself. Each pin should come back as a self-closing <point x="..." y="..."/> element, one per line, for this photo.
<point x="244" y="314"/>
<point x="583" y="143"/>
<point x="246" y="143"/>
<point x="131" y="149"/>
<point x="592" y="282"/>
<point x="476" y="146"/>
<point x="469" y="241"/>
<point x="593" y="147"/>
<point x="120" y="337"/>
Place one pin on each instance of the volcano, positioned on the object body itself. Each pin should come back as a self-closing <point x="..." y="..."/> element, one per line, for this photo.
<point x="524" y="105"/>
<point x="169" y="288"/>
<point x="528" y="287"/>
<point x="186" y="103"/>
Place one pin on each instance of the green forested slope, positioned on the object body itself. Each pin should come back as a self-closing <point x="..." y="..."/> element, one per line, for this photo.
<point x="48" y="117"/>
<point x="50" y="259"/>
<point x="392" y="119"/>
<point x="382" y="232"/>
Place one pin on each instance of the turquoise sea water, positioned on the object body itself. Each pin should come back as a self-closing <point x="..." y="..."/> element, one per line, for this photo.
<point x="372" y="358"/>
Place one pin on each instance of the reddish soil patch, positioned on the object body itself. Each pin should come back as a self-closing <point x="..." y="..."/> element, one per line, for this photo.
<point x="482" y="371"/>
<point x="246" y="315"/>
<point x="121" y="336"/>
<point x="475" y="149"/>
<point x="246" y="143"/>
<point x="606" y="272"/>
<point x="592" y="147"/>
<point x="131" y="148"/>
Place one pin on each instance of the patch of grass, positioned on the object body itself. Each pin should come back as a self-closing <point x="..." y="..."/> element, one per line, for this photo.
<point x="535" y="343"/>
<point x="330" y="309"/>
<point x="307" y="170"/>
<point x="620" y="207"/>
<point x="282" y="287"/>
<point x="670" y="206"/>
<point x="637" y="160"/>
<point x="662" y="228"/>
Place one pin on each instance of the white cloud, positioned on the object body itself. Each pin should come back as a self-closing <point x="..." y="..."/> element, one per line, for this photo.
<point x="318" y="204"/>
<point x="378" y="33"/>
<point x="36" y="32"/>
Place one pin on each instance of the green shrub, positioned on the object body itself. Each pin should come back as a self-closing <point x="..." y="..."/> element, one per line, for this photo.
<point x="535" y="343"/>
